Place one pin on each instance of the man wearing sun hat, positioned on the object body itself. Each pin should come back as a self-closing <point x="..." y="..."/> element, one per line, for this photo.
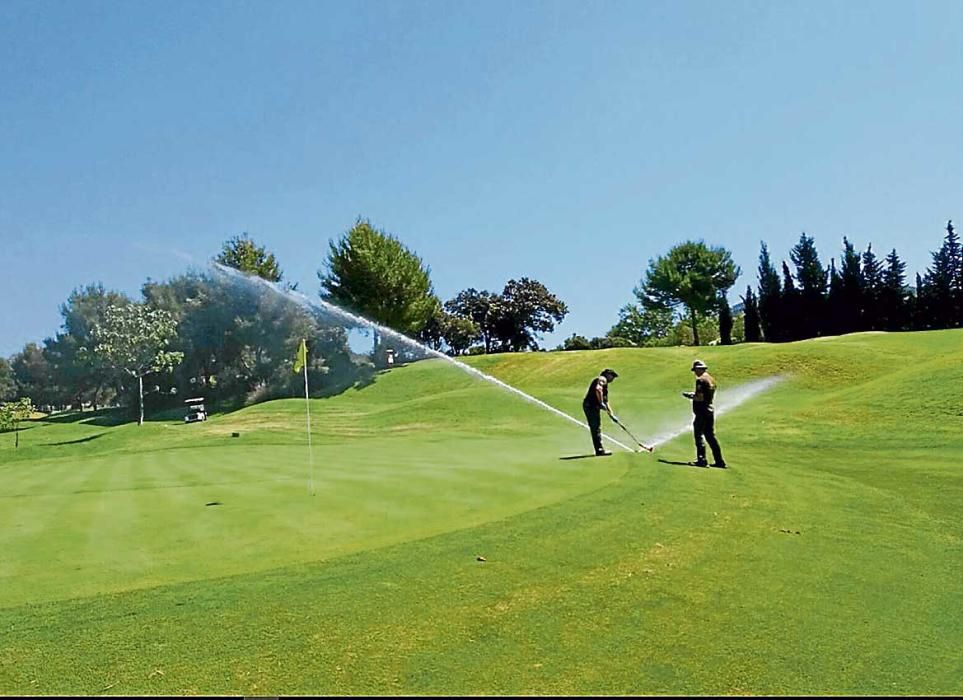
<point x="704" y="422"/>
<point x="597" y="400"/>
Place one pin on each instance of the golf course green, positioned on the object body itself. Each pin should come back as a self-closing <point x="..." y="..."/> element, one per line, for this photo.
<point x="437" y="540"/>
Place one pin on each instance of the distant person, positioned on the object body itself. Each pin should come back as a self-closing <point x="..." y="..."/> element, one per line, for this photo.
<point x="597" y="400"/>
<point x="704" y="422"/>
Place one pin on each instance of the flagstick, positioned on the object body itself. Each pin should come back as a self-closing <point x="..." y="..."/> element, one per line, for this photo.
<point x="307" y="409"/>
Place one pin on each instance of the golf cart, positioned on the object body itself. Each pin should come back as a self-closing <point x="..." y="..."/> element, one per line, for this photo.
<point x="195" y="411"/>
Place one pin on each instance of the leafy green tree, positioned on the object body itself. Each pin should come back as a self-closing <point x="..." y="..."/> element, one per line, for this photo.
<point x="725" y="321"/>
<point x="34" y="376"/>
<point x="477" y="307"/>
<point x="812" y="287"/>
<point x="370" y="272"/>
<point x="770" y="298"/>
<point x="133" y="339"/>
<point x="11" y="415"/>
<point x="576" y="342"/>
<point x="752" y="333"/>
<point x="8" y="381"/>
<point x="610" y="341"/>
<point x="245" y="255"/>
<point x="643" y="325"/>
<point x="691" y="275"/>
<point x="459" y="333"/>
<point x="525" y="309"/>
<point x="78" y="373"/>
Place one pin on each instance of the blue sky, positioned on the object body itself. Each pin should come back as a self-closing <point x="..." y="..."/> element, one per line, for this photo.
<point x="565" y="141"/>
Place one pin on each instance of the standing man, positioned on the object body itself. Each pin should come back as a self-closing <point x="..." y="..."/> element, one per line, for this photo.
<point x="704" y="422"/>
<point x="597" y="400"/>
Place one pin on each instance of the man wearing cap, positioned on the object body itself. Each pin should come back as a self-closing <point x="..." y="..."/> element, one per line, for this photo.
<point x="704" y="422"/>
<point x="597" y="400"/>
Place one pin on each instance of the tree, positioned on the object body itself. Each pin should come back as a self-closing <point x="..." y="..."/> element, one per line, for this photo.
<point x="893" y="296"/>
<point x="812" y="287"/>
<point x="8" y="381"/>
<point x="643" y="325"/>
<point x="752" y="331"/>
<point x="835" y="312"/>
<point x="725" y="321"/>
<point x="576" y="342"/>
<point x="944" y="281"/>
<point x="370" y="272"/>
<point x="11" y="414"/>
<point x="872" y="286"/>
<point x="245" y="255"/>
<point x="78" y="374"/>
<point x="770" y="298"/>
<point x="133" y="339"/>
<point x="691" y="275"/>
<point x="790" y="302"/>
<point x="525" y="309"/>
<point x="851" y="289"/>
<point x="443" y="328"/>
<point x="34" y="375"/>
<point x="477" y="307"/>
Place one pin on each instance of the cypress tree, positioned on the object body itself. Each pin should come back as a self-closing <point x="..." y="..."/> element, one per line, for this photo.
<point x="872" y="290"/>
<point x="770" y="298"/>
<point x="791" y="301"/>
<point x="812" y="287"/>
<point x="725" y="321"/>
<point x="851" y="288"/>
<point x="753" y="333"/>
<point x="894" y="305"/>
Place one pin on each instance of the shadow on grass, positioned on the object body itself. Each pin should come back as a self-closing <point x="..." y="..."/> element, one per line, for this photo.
<point x="78" y="441"/>
<point x="582" y="456"/>
<point x="682" y="464"/>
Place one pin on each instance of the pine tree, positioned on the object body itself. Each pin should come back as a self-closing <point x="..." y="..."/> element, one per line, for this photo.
<point x="922" y="318"/>
<point x="753" y="333"/>
<point x="872" y="278"/>
<point x="725" y="321"/>
<point x="791" y="302"/>
<point x="943" y="282"/>
<point x="770" y="299"/>
<point x="851" y="289"/>
<point x="894" y="294"/>
<point x="812" y="287"/>
<point x="835" y="303"/>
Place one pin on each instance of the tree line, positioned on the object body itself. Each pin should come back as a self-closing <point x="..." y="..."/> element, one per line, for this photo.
<point x="865" y="292"/>
<point x="203" y="333"/>
<point x="207" y="334"/>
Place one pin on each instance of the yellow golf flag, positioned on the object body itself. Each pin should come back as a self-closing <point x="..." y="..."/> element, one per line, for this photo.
<point x="301" y="359"/>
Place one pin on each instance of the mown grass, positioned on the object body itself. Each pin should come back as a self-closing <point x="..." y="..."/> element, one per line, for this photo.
<point x="828" y="559"/>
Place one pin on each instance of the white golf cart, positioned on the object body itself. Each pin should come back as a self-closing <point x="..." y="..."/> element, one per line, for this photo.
<point x="195" y="411"/>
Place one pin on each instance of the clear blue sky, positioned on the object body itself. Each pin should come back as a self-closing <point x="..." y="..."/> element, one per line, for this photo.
<point x="566" y="141"/>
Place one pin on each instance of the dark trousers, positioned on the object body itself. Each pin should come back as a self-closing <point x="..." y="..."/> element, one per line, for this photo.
<point x="593" y="415"/>
<point x="705" y="425"/>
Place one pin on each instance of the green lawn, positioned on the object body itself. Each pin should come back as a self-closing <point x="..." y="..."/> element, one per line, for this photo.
<point x="828" y="559"/>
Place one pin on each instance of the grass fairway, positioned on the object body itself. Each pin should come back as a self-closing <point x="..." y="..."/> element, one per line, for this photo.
<point x="828" y="559"/>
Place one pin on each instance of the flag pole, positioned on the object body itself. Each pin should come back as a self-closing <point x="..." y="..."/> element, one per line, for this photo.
<point x="307" y="409"/>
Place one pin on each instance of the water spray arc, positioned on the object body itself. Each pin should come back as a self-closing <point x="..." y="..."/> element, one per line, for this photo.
<point x="355" y="320"/>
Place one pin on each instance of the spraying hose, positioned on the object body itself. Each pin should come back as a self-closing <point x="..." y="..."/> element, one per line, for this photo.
<point x="647" y="448"/>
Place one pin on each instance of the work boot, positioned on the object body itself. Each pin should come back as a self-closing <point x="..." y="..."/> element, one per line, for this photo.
<point x="602" y="453"/>
<point x="699" y="463"/>
<point x="718" y="465"/>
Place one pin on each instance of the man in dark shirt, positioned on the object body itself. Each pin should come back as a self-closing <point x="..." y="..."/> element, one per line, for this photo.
<point x="704" y="422"/>
<point x="597" y="400"/>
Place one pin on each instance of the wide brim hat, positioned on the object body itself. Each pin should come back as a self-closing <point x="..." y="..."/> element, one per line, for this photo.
<point x="699" y="364"/>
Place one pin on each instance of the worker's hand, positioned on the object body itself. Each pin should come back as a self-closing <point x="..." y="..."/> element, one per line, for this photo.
<point x="689" y="394"/>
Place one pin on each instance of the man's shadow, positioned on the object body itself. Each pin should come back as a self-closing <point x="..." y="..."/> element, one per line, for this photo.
<point x="582" y="456"/>
<point x="682" y="464"/>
